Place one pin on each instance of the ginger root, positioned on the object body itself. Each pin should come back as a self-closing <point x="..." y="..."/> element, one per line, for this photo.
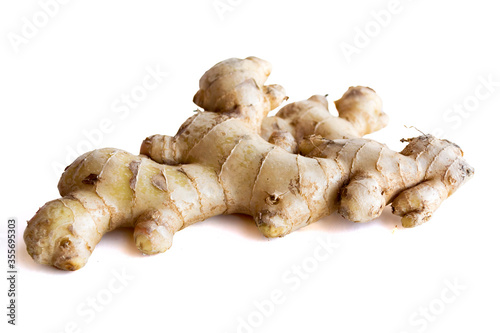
<point x="232" y="158"/>
<point x="360" y="113"/>
<point x="416" y="180"/>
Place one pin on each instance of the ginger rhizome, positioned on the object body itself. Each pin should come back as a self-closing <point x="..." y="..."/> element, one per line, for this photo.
<point x="360" y="113"/>
<point x="232" y="158"/>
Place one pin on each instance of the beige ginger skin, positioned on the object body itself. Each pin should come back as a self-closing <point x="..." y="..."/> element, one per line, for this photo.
<point x="218" y="163"/>
<point x="360" y="113"/>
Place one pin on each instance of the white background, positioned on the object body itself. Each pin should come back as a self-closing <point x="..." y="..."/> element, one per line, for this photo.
<point x="428" y="57"/>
